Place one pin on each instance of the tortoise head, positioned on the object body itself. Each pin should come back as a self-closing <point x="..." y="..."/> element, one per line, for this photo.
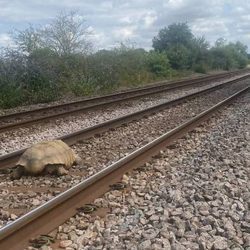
<point x="34" y="166"/>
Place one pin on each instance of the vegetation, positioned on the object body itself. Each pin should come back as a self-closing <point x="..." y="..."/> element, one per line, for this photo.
<point x="185" y="51"/>
<point x="57" y="60"/>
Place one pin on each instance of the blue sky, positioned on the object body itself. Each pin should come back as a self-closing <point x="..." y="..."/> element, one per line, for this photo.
<point x="138" y="21"/>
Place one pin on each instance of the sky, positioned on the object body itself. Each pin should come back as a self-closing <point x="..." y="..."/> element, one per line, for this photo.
<point x="133" y="21"/>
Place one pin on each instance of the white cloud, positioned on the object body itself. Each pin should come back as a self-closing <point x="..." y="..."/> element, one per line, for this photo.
<point x="175" y="4"/>
<point x="138" y="20"/>
<point x="126" y="20"/>
<point x="5" y="40"/>
<point x="150" y="18"/>
<point x="125" y="32"/>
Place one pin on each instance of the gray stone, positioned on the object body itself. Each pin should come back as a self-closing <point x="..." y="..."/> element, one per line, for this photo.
<point x="145" y="245"/>
<point x="45" y="248"/>
<point x="246" y="226"/>
<point x="73" y="236"/>
<point x="177" y="246"/>
<point x="206" y="228"/>
<point x="154" y="217"/>
<point x="150" y="233"/>
<point x="65" y="243"/>
<point x="166" y="244"/>
<point x="187" y="215"/>
<point x="247" y="216"/>
<point x="220" y="243"/>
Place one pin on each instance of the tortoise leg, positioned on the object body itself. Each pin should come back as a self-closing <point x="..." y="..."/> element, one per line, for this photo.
<point x="17" y="173"/>
<point x="61" y="170"/>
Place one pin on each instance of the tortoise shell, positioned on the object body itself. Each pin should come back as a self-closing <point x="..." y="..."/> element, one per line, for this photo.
<point x="37" y="157"/>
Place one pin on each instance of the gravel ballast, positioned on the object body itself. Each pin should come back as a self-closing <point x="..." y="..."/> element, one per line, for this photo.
<point x="193" y="195"/>
<point x="17" y="197"/>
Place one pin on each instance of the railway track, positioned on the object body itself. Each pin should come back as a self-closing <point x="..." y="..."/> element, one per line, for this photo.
<point x="27" y="118"/>
<point x="98" y="151"/>
<point x="9" y="160"/>
<point x="56" y="211"/>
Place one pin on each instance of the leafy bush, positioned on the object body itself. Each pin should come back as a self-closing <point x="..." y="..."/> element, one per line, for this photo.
<point x="82" y="88"/>
<point x="10" y="97"/>
<point x="200" y="68"/>
<point x="158" y="63"/>
<point x="103" y="70"/>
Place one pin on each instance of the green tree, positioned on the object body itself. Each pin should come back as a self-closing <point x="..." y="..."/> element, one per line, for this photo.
<point x="27" y="40"/>
<point x="66" y="34"/>
<point x="179" y="57"/>
<point x="177" y="34"/>
<point x="51" y="58"/>
<point x="228" y="56"/>
<point x="238" y="53"/>
<point x="199" y="56"/>
<point x="177" y="41"/>
<point x="220" y="42"/>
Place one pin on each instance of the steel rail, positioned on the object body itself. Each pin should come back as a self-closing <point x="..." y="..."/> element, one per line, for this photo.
<point x="55" y="212"/>
<point x="122" y="97"/>
<point x="8" y="160"/>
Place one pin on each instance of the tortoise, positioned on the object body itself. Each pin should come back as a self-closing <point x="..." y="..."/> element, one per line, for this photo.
<point x="53" y="157"/>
